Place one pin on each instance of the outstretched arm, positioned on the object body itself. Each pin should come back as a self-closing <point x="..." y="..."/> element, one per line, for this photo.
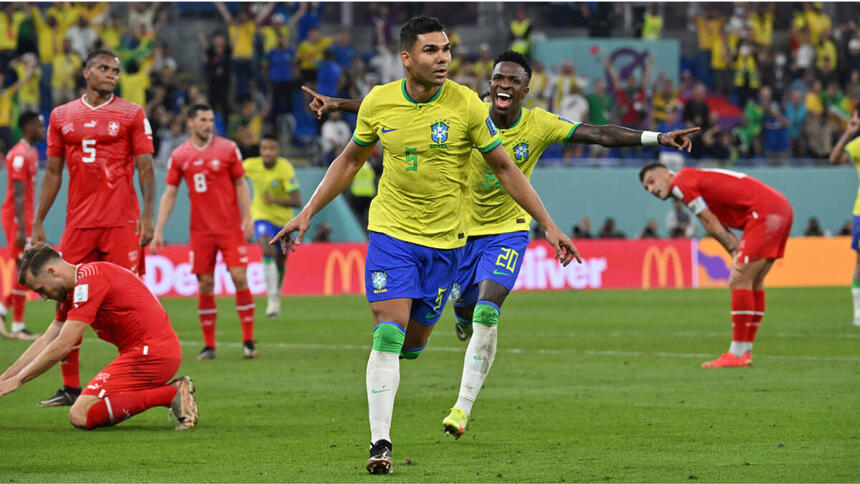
<point x="336" y="179"/>
<point x="69" y="334"/>
<point x="612" y="135"/>
<point x="321" y="105"/>
<point x="838" y="154"/>
<point x="724" y="236"/>
<point x="33" y="351"/>
<point x="519" y="188"/>
<point x="47" y="193"/>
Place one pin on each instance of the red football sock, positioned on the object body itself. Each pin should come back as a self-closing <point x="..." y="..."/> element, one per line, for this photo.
<point x="207" y="311"/>
<point x="113" y="409"/>
<point x="18" y="300"/>
<point x="759" y="309"/>
<point x="743" y="311"/>
<point x="245" y="308"/>
<point x="70" y="367"/>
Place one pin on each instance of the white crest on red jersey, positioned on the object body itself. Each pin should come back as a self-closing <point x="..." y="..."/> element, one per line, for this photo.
<point x="113" y="128"/>
<point x="68" y="128"/>
<point x="215" y="164"/>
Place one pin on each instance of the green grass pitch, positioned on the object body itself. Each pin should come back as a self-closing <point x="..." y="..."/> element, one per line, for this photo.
<point x="587" y="386"/>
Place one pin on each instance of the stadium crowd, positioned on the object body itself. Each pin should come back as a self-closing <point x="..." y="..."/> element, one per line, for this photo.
<point x="790" y="94"/>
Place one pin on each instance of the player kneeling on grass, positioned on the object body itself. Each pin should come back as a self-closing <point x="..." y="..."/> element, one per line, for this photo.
<point x="721" y="199"/>
<point x="122" y="311"/>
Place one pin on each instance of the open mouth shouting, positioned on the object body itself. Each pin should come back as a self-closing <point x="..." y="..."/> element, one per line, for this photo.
<point x="503" y="100"/>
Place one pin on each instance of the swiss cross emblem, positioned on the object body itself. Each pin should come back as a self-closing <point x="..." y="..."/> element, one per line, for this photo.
<point x="215" y="164"/>
<point x="113" y="128"/>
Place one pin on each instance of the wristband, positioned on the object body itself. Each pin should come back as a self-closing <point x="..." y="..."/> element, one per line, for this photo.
<point x="650" y="138"/>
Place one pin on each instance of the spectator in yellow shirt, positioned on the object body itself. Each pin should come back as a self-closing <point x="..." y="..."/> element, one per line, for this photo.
<point x="65" y="71"/>
<point x="242" y="29"/>
<point x="29" y="74"/>
<point x="10" y="21"/>
<point x="761" y="21"/>
<point x="814" y="104"/>
<point x="310" y="53"/>
<point x="826" y="49"/>
<point x="134" y="82"/>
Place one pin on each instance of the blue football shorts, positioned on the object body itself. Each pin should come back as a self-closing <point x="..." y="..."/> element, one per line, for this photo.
<point x="398" y="269"/>
<point x="496" y="258"/>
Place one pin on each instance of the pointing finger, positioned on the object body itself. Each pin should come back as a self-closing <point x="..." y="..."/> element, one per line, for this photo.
<point x="311" y="92"/>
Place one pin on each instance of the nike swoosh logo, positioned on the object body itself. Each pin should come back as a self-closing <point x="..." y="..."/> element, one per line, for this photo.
<point x="480" y="358"/>
<point x="388" y="130"/>
<point x="500" y="273"/>
<point x="380" y="391"/>
<point x="430" y="315"/>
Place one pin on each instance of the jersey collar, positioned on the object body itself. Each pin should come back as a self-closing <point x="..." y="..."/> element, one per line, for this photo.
<point x="406" y="94"/>
<point x="206" y="145"/>
<point x="84" y="101"/>
<point x="519" y="118"/>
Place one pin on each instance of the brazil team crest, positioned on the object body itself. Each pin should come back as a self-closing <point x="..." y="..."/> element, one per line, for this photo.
<point x="455" y="292"/>
<point x="521" y="151"/>
<point x="378" y="279"/>
<point x="439" y="134"/>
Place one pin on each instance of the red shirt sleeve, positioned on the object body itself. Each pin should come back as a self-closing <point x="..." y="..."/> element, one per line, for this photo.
<point x="87" y="298"/>
<point x="174" y="171"/>
<point x="56" y="147"/>
<point x="236" y="169"/>
<point x="19" y="166"/>
<point x="141" y="134"/>
<point x="685" y="188"/>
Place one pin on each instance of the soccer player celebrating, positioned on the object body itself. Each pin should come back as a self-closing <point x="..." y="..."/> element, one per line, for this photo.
<point x="122" y="311"/>
<point x="17" y="214"/>
<point x="102" y="138"/>
<point x="848" y="149"/>
<point x="220" y="220"/>
<point x="497" y="226"/>
<point x="276" y="193"/>
<point x="723" y="200"/>
<point x="427" y="125"/>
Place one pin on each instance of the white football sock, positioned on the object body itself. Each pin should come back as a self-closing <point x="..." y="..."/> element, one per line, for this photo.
<point x="855" y="292"/>
<point x="477" y="363"/>
<point x="17" y="326"/>
<point x="740" y="348"/>
<point x="270" y="275"/>
<point x="383" y="378"/>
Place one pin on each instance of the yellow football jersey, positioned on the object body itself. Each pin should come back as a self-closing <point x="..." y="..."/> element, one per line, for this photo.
<point x="427" y="148"/>
<point x="853" y="149"/>
<point x="492" y="210"/>
<point x="279" y="181"/>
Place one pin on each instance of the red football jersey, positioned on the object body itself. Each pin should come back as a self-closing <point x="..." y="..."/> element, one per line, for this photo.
<point x="210" y="172"/>
<point x="99" y="145"/>
<point x="22" y="163"/>
<point x="119" y="307"/>
<point x="735" y="198"/>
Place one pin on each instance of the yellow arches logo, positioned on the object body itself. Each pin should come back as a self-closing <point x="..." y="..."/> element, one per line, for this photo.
<point x="345" y="264"/>
<point x="661" y="259"/>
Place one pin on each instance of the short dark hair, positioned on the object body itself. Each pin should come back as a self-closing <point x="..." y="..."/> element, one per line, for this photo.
<point x="92" y="56"/>
<point x="196" y="108"/>
<point x="412" y="28"/>
<point x="270" y="137"/>
<point x="516" y="58"/>
<point x="650" y="166"/>
<point x="35" y="259"/>
<point x="28" y="117"/>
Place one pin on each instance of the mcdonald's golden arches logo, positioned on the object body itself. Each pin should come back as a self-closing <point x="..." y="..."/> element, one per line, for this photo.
<point x="661" y="259"/>
<point x="344" y="264"/>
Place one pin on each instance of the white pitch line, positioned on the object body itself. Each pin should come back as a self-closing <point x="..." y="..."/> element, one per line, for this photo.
<point x="516" y="351"/>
